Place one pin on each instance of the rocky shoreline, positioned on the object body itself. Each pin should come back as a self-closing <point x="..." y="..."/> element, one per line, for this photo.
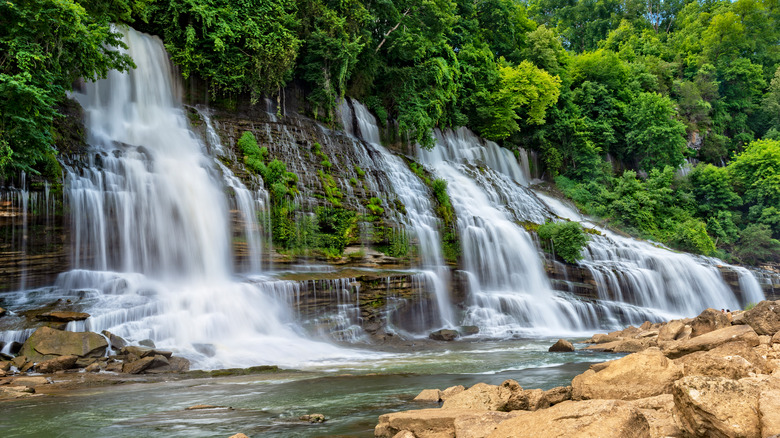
<point x="715" y="375"/>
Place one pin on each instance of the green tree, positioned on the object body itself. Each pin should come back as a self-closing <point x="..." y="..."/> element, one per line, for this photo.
<point x="713" y="189"/>
<point x="45" y="46"/>
<point x="757" y="245"/>
<point x="755" y="172"/>
<point x="654" y="136"/>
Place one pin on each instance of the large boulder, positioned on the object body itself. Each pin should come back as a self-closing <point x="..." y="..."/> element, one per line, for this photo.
<point x="708" y="321"/>
<point x="481" y="425"/>
<point x="624" y="345"/>
<point x="57" y="364"/>
<point x="658" y="412"/>
<point x="708" y="341"/>
<point x="717" y="406"/>
<point x="554" y="396"/>
<point x="436" y="423"/>
<point x="509" y="396"/>
<point x="583" y="419"/>
<point x="429" y="396"/>
<point x="674" y="331"/>
<point x="734" y="360"/>
<point x="769" y="409"/>
<point x="444" y="335"/>
<point x="764" y="318"/>
<point x="562" y="346"/>
<point x="62" y="316"/>
<point x="639" y="375"/>
<point x="48" y="343"/>
<point x="452" y="391"/>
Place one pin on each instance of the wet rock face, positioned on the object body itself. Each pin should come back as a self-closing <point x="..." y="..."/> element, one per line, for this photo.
<point x="47" y="343"/>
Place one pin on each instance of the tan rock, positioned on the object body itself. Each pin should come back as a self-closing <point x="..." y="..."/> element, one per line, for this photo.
<point x="484" y="397"/>
<point x="769" y="411"/>
<point x="765" y="340"/>
<point x="735" y="360"/>
<point x="708" y="321"/>
<point x="56" y="364"/>
<point x="776" y="338"/>
<point x="553" y="397"/>
<point x="583" y="419"/>
<point x="562" y="346"/>
<point x="764" y="318"/>
<point x="481" y="425"/>
<point x="137" y="366"/>
<point x="29" y="381"/>
<point x="19" y="361"/>
<point x="62" y="316"/>
<point x="5" y="365"/>
<point x="658" y="412"/>
<point x="47" y="343"/>
<point x="239" y="435"/>
<point x="602" y="338"/>
<point x="646" y="325"/>
<point x="423" y="423"/>
<point x="711" y="340"/>
<point x="635" y="376"/>
<point x="404" y="434"/>
<point x="534" y="399"/>
<point x="670" y="331"/>
<point x="451" y="391"/>
<point x="624" y="345"/>
<point x="429" y="396"/>
<point x="717" y="407"/>
<point x="13" y="392"/>
<point x="93" y="368"/>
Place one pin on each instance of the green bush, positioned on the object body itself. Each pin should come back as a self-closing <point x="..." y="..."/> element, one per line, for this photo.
<point x="568" y="239"/>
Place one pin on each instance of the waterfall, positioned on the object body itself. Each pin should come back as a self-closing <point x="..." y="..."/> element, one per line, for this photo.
<point x="510" y="292"/>
<point x="151" y="232"/>
<point x="416" y="198"/>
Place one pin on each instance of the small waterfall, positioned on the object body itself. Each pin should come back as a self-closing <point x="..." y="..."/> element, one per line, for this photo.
<point x="247" y="204"/>
<point x="416" y="198"/>
<point x="637" y="272"/>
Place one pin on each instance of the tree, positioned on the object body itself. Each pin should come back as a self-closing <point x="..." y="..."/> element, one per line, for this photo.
<point x="757" y="245"/>
<point x="45" y="46"/>
<point x="568" y="239"/>
<point x="654" y="136"/>
<point x="756" y="175"/>
<point x="713" y="189"/>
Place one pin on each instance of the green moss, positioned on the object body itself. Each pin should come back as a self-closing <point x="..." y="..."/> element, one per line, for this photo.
<point x="567" y="239"/>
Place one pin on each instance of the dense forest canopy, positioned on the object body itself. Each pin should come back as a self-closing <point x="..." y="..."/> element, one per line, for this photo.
<point x="614" y="96"/>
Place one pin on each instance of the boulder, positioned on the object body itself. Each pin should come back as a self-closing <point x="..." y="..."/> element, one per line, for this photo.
<point x="764" y="318"/>
<point x="444" y="335"/>
<point x="29" y="381"/>
<point x="602" y="338"/>
<point x="583" y="419"/>
<point x="562" y="346"/>
<point x="468" y="330"/>
<point x="62" y="316"/>
<point x="5" y="365"/>
<point x="159" y="364"/>
<point x="137" y="366"/>
<point x="769" y="410"/>
<point x="717" y="406"/>
<point x="623" y="345"/>
<point x="93" y="368"/>
<point x="482" y="424"/>
<point x="776" y="338"/>
<point x="451" y="391"/>
<point x="708" y="341"/>
<point x="2" y="311"/>
<point x="115" y="341"/>
<point x="509" y="396"/>
<point x="19" y="361"/>
<point x="639" y="375"/>
<point x="658" y="412"/>
<point x="425" y="423"/>
<point x="554" y="396"/>
<point x="47" y="343"/>
<point x="56" y="364"/>
<point x="12" y="392"/>
<point x="429" y="396"/>
<point x="147" y="343"/>
<point x="709" y="320"/>
<point x="404" y="434"/>
<point x="734" y="360"/>
<point x="239" y="435"/>
<point x="178" y="364"/>
<point x="671" y="331"/>
<point x="313" y="418"/>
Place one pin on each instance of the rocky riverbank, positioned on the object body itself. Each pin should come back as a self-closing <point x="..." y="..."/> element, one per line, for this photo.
<point x="715" y="375"/>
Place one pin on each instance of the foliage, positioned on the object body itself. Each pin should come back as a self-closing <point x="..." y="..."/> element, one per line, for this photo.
<point x="757" y="245"/>
<point x="568" y="239"/>
<point x="45" y="46"/>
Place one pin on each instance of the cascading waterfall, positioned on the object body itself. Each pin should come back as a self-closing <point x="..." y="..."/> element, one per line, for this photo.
<point x="415" y="196"/>
<point x="510" y="292"/>
<point x="151" y="233"/>
<point x="248" y="204"/>
<point x="645" y="275"/>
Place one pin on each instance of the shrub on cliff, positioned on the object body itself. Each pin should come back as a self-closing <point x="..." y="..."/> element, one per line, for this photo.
<point x="568" y="239"/>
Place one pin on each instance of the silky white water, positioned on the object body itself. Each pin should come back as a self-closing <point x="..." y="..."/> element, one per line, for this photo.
<point x="416" y="198"/>
<point x="151" y="231"/>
